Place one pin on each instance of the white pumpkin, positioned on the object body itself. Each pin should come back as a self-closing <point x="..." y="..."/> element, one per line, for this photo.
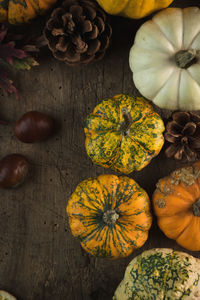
<point x="6" y="296"/>
<point x="161" y="274"/>
<point x="165" y="59"/>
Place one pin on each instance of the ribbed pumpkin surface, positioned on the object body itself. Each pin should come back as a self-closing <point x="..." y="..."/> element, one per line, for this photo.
<point x="161" y="274"/>
<point x="135" y="9"/>
<point x="123" y="133"/>
<point x="110" y="215"/>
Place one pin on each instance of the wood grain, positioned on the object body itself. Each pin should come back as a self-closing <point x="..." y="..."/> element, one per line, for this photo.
<point x="39" y="258"/>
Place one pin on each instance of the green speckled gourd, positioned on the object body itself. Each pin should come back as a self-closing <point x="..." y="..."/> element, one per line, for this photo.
<point x="161" y="274"/>
<point x="123" y="133"/>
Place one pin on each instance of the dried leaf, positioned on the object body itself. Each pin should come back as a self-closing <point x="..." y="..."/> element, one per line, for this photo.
<point x="15" y="52"/>
<point x="8" y="52"/>
<point x="24" y="64"/>
<point x="6" y="84"/>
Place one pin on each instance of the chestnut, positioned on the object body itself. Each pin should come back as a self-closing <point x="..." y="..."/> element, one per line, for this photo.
<point x="13" y="170"/>
<point x="33" y="127"/>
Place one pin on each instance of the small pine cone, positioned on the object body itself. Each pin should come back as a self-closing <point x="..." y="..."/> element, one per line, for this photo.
<point x="78" y="32"/>
<point x="183" y="134"/>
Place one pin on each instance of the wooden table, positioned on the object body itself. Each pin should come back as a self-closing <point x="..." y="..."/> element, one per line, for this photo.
<point x="39" y="258"/>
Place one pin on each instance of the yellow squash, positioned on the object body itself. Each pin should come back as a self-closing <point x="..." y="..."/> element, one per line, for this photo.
<point x="123" y="133"/>
<point x="22" y="11"/>
<point x="110" y="215"/>
<point x="135" y="9"/>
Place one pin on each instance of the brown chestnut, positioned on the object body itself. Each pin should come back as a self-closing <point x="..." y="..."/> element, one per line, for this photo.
<point x="13" y="170"/>
<point x="34" y="127"/>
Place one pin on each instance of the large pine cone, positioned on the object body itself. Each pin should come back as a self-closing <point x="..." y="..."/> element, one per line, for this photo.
<point x="78" y="32"/>
<point x="183" y="136"/>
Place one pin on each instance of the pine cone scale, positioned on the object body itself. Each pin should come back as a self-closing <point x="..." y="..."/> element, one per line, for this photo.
<point x="93" y="34"/>
<point x="77" y="32"/>
<point x="68" y="23"/>
<point x="80" y="45"/>
<point x="91" y="12"/>
<point x="50" y="25"/>
<point x="76" y="10"/>
<point x="189" y="128"/>
<point x="58" y="32"/>
<point x="194" y="143"/>
<point x="93" y="47"/>
<point x="61" y="45"/>
<point x="57" y="13"/>
<point x="174" y="128"/>
<point x="190" y="155"/>
<point x="105" y="43"/>
<point x="86" y="26"/>
<point x="195" y="118"/>
<point x="181" y="118"/>
<point x="178" y="154"/>
<point x="172" y="150"/>
<point x="100" y="24"/>
<point x="72" y="55"/>
<point x="170" y="138"/>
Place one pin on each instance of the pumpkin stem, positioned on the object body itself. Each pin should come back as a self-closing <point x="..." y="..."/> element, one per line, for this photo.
<point x="128" y="121"/>
<point x="186" y="58"/>
<point x="196" y="208"/>
<point x="110" y="217"/>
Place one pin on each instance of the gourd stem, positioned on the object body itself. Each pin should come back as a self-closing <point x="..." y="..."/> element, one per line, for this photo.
<point x="186" y="58"/>
<point x="196" y="208"/>
<point x="128" y="121"/>
<point x="110" y="216"/>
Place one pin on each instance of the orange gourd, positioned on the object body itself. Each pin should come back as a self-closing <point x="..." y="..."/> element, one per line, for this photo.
<point x="176" y="202"/>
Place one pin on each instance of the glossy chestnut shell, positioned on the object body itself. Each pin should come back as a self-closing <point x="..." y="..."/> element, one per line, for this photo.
<point x="14" y="169"/>
<point x="34" y="127"/>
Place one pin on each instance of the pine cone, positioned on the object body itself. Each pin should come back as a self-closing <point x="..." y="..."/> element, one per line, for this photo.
<point x="183" y="133"/>
<point x="78" y="32"/>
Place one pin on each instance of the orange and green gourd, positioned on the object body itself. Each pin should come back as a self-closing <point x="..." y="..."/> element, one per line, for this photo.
<point x="22" y="11"/>
<point x="135" y="9"/>
<point x="123" y="133"/>
<point x="110" y="215"/>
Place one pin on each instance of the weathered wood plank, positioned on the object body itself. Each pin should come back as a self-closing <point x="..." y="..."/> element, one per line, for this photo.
<point x="39" y="258"/>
